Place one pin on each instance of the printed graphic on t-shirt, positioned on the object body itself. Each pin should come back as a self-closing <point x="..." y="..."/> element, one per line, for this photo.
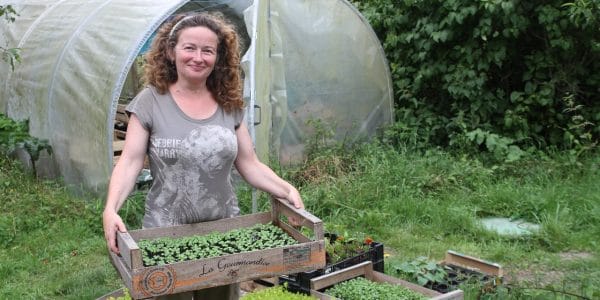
<point x="196" y="188"/>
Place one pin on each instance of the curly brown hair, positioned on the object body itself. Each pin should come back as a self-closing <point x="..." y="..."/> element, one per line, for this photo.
<point x="224" y="82"/>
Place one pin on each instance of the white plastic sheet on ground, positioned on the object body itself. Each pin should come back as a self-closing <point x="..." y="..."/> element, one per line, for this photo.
<point x="307" y="60"/>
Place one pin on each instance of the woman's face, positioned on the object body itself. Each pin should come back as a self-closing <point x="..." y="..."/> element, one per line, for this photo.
<point x="195" y="54"/>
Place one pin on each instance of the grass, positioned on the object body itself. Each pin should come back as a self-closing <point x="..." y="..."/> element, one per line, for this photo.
<point x="418" y="203"/>
<point x="422" y="204"/>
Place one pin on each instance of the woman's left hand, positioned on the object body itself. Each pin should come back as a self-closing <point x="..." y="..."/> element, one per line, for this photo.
<point x="294" y="199"/>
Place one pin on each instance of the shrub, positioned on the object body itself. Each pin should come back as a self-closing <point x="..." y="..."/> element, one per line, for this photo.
<point x="503" y="76"/>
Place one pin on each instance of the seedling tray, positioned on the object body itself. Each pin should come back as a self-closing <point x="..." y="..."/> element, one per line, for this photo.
<point x="319" y="284"/>
<point x="147" y="282"/>
<point x="300" y="282"/>
<point x="462" y="268"/>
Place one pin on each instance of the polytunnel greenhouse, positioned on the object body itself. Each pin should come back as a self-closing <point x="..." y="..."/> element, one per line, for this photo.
<point x="303" y="60"/>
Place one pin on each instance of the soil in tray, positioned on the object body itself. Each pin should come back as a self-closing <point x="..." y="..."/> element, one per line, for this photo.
<point x="163" y="251"/>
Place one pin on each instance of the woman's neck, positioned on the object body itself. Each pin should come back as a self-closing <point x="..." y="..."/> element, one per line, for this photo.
<point x="182" y="87"/>
<point x="188" y="90"/>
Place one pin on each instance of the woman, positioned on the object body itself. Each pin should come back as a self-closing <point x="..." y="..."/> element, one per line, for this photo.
<point x="189" y="120"/>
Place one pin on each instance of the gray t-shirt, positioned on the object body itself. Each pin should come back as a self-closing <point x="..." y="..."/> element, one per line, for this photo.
<point x="190" y="160"/>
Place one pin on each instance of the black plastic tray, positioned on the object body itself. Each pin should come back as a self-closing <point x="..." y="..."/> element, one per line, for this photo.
<point x="300" y="282"/>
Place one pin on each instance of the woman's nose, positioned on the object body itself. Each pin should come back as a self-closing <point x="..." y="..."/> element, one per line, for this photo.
<point x="198" y="55"/>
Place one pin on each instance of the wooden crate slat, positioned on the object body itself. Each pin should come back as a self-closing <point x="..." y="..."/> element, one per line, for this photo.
<point x="332" y="278"/>
<point x="222" y="225"/>
<point x="121" y="108"/>
<point x="118" y="146"/>
<point x="282" y="207"/>
<point x="473" y="263"/>
<point x="297" y="235"/>
<point x="123" y="118"/>
<point x="124" y="271"/>
<point x="129" y="250"/>
<point x="120" y="134"/>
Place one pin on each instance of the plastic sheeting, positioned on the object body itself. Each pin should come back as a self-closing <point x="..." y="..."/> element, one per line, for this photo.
<point x="307" y="59"/>
<point x="335" y="71"/>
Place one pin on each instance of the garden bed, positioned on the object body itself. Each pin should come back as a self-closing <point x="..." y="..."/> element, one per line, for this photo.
<point x="169" y="278"/>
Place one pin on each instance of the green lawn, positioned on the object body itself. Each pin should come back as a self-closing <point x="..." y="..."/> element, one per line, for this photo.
<point x="419" y="204"/>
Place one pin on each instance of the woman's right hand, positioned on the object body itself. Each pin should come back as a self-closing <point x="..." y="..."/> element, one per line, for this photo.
<point x="112" y="222"/>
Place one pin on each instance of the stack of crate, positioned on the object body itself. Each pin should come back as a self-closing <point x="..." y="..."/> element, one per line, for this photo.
<point x="120" y="130"/>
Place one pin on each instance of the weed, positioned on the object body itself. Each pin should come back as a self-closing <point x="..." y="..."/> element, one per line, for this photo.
<point x="15" y="135"/>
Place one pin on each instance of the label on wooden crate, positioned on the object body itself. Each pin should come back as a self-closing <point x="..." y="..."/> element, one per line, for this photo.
<point x="232" y="266"/>
<point x="158" y="281"/>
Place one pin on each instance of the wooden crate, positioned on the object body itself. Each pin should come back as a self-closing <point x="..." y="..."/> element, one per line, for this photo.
<point x="146" y="282"/>
<point x="454" y="258"/>
<point x="461" y="268"/>
<point x="366" y="269"/>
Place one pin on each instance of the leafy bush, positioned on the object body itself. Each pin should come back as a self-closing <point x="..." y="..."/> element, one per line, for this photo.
<point x="502" y="76"/>
<point x="15" y="134"/>
<point x="422" y="271"/>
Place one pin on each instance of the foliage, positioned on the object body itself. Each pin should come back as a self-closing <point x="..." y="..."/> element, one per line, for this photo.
<point x="422" y="271"/>
<point x="345" y="246"/>
<point x="275" y="293"/>
<point x="503" y="76"/>
<point x="363" y="289"/>
<point x="126" y="295"/>
<point x="9" y="55"/>
<point x="15" y="135"/>
<point x="163" y="251"/>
